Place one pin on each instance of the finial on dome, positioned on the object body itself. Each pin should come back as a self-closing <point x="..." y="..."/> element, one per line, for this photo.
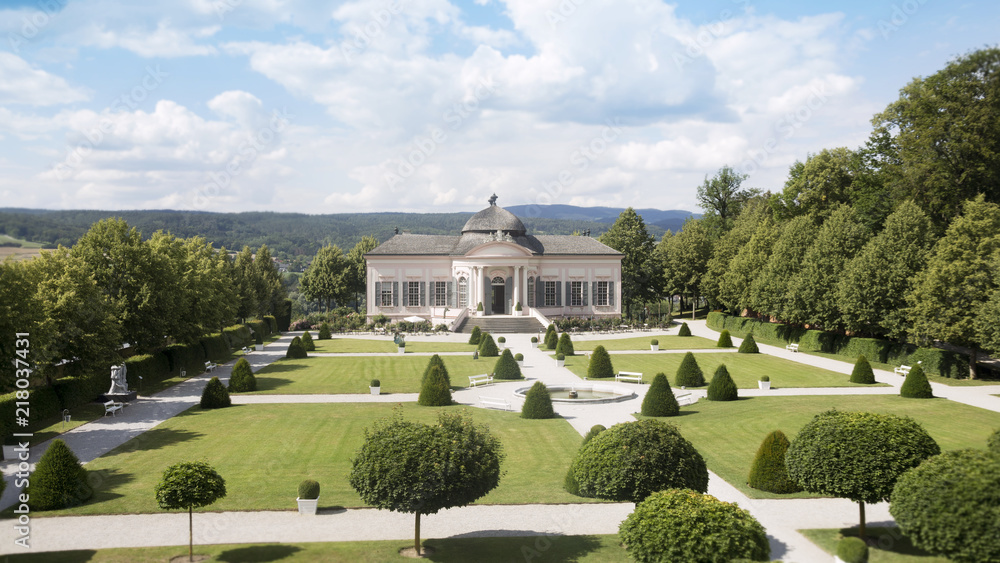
<point x="493" y="200"/>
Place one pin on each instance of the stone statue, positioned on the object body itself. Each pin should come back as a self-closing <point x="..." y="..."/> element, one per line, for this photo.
<point x="493" y="200"/>
<point x="119" y="383"/>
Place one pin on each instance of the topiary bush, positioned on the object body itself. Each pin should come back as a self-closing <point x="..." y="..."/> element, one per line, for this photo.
<point x="296" y="350"/>
<point x="565" y="345"/>
<point x="722" y="387"/>
<point x="993" y="443"/>
<point x="308" y="490"/>
<point x="518" y="357"/>
<point x="630" y="461"/>
<point x="916" y="386"/>
<point x="689" y="374"/>
<point x="768" y="472"/>
<point x="683" y="525"/>
<point x="725" y="341"/>
<point x="307" y="342"/>
<point x="487" y="347"/>
<point x="475" y="335"/>
<point x="59" y="480"/>
<point x="569" y="482"/>
<point x="551" y="338"/>
<point x="685" y="330"/>
<point x="502" y="340"/>
<point x="660" y="400"/>
<point x="949" y="504"/>
<point x="600" y="364"/>
<point x="749" y="345"/>
<point x="852" y="550"/>
<point x="215" y="395"/>
<point x="436" y="390"/>
<point x="242" y="380"/>
<point x="594" y="431"/>
<point x="537" y="402"/>
<point x="862" y="372"/>
<point x="506" y="367"/>
<point x="324" y="331"/>
<point x="435" y="361"/>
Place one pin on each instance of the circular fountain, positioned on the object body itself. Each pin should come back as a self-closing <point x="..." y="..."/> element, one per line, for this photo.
<point x="584" y="394"/>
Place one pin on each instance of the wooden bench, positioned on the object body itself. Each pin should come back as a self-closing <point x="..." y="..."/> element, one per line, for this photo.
<point x="792" y="347"/>
<point x="209" y="366"/>
<point x="903" y="370"/>
<point x="484" y="379"/>
<point x="112" y="407"/>
<point x="494" y="403"/>
<point x="628" y="376"/>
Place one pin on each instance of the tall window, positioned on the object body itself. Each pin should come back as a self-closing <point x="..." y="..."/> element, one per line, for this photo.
<point x="412" y="294"/>
<point x="601" y="296"/>
<point x="463" y="292"/>
<point x="386" y="297"/>
<point x="440" y="294"/>
<point x="576" y="294"/>
<point x="550" y="294"/>
<point x="531" y="291"/>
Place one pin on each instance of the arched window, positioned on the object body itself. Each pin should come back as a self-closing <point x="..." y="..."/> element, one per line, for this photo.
<point x="463" y="292"/>
<point x="531" y="291"/>
<point x="497" y="280"/>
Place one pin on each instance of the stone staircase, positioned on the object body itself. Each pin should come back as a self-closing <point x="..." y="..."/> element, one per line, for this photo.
<point x="501" y="324"/>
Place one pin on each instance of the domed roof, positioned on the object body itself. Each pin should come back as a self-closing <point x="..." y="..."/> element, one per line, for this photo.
<point x="492" y="219"/>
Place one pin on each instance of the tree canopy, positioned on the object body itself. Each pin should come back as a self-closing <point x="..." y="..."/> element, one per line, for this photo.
<point x="642" y="276"/>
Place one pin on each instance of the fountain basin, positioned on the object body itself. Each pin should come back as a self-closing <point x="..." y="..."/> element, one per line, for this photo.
<point x="586" y="394"/>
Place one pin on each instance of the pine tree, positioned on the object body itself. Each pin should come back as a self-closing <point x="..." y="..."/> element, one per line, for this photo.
<point x="506" y="367"/>
<point x="435" y="361"/>
<point x="59" y="480"/>
<point x="660" y="400"/>
<point x="768" y="472"/>
<point x="600" y="364"/>
<point x="537" y="402"/>
<point x="725" y="341"/>
<point x="215" y="395"/>
<point x="722" y="387"/>
<point x="242" y="379"/>
<point x="487" y="347"/>
<point x="685" y="330"/>
<point x="689" y="374"/>
<point x="307" y="342"/>
<point x="436" y="391"/>
<point x="551" y="338"/>
<point x="565" y="345"/>
<point x="475" y="335"/>
<point x="916" y="386"/>
<point x="862" y="372"/>
<point x="749" y="345"/>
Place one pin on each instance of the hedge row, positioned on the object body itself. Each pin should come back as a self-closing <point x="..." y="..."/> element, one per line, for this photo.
<point x="936" y="361"/>
<point x="238" y="336"/>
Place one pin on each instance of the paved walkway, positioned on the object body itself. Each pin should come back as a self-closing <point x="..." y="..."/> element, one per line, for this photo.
<point x="781" y="517"/>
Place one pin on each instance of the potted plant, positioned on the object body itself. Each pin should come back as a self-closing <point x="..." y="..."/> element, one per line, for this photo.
<point x="308" y="497"/>
<point x="479" y="309"/>
<point x="765" y="383"/>
<point x="654" y="345"/>
<point x="502" y="341"/>
<point x="401" y="346"/>
<point x="534" y="342"/>
<point x="375" y="386"/>
<point x="560" y="360"/>
<point x="517" y="309"/>
<point x="519" y="358"/>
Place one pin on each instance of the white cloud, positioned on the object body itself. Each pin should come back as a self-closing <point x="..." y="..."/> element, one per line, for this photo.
<point x="20" y="83"/>
<point x="164" y="41"/>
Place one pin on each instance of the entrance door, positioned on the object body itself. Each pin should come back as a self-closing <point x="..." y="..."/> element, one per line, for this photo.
<point x="499" y="299"/>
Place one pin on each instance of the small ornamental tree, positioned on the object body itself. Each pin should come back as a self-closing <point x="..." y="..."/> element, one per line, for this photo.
<point x="324" y="331"/>
<point x="659" y="399"/>
<point x="420" y="469"/>
<point x="296" y="350"/>
<point x="689" y="374"/>
<point x="551" y="337"/>
<point x="242" y="380"/>
<point x="948" y="506"/>
<point x="569" y="483"/>
<point x="307" y="342"/>
<point x="475" y="335"/>
<point x="685" y="330"/>
<point x="725" y="341"/>
<point x="857" y="455"/>
<point x="600" y="364"/>
<point x="487" y="347"/>
<point x="722" y="387"/>
<point x="435" y="361"/>
<point x="768" y="472"/>
<point x="436" y="390"/>
<point x="993" y="443"/>
<point x="506" y="367"/>
<point x="749" y="345"/>
<point x="59" y="480"/>
<point x="538" y="402"/>
<point x="190" y="485"/>
<point x="916" y="386"/>
<point x="215" y="395"/>
<point x="565" y="345"/>
<point x="629" y="461"/>
<point x="683" y="525"/>
<point x="862" y="372"/>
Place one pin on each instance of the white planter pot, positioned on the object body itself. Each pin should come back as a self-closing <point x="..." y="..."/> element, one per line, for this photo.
<point x="763" y="385"/>
<point x="402" y="350"/>
<point x="534" y="345"/>
<point x="375" y="390"/>
<point x="479" y="313"/>
<point x="517" y="313"/>
<point x="520" y="363"/>
<point x="502" y="345"/>
<point x="654" y="347"/>
<point x="560" y="363"/>
<point x="307" y="506"/>
<point x="9" y="454"/>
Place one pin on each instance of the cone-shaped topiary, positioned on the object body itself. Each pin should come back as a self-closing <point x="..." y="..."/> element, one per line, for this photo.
<point x="215" y="395"/>
<point x="435" y="361"/>
<point x="916" y="386"/>
<point x="565" y="345"/>
<point x="476" y="334"/>
<point x="551" y="338"/>
<point x="324" y="331"/>
<point x="685" y="330"/>
<point x="436" y="390"/>
<point x="725" y="341"/>
<point x="242" y="379"/>
<point x="506" y="367"/>
<point x="309" y="489"/>
<point x="660" y="400"/>
<point x="307" y="342"/>
<point x="862" y="372"/>
<point x="59" y="480"/>
<point x="537" y="402"/>
<point x="487" y="347"/>
<point x="689" y="373"/>
<point x="749" y="345"/>
<point x="722" y="387"/>
<point x="296" y="350"/>
<point x="768" y="472"/>
<point x="600" y="364"/>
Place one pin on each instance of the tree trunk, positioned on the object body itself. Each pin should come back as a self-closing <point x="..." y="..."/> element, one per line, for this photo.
<point x="861" y="528"/>
<point x="416" y="535"/>
<point x="190" y="536"/>
<point x="973" y="360"/>
<point x="694" y="305"/>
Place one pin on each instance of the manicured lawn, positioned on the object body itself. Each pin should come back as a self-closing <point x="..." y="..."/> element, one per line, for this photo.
<point x="584" y="549"/>
<point x="745" y="369"/>
<point x="264" y="451"/>
<point x="642" y="343"/>
<point x="892" y="546"/>
<point x="728" y="433"/>
<point x="352" y="374"/>
<point x="49" y="428"/>
<point x="385" y="345"/>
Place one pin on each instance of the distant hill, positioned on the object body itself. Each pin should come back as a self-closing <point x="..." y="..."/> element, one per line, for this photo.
<point x="671" y="220"/>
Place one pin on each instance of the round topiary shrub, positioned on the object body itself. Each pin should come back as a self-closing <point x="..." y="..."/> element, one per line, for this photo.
<point x="375" y="383"/>
<point x="594" y="431"/>
<point x="551" y="338"/>
<point x="435" y="361"/>
<point x="537" y="402"/>
<point x="689" y="374"/>
<point x="436" y="390"/>
<point x="852" y="550"/>
<point x="487" y="347"/>
<point x="722" y="387"/>
<point x="519" y="357"/>
<point x="659" y="399"/>
<point x="630" y="461"/>
<point x="862" y="372"/>
<point x="749" y="345"/>
<point x="534" y="340"/>
<point x="685" y="330"/>
<point x="296" y="350"/>
<point x="506" y="367"/>
<point x="768" y="472"/>
<point x="916" y="386"/>
<point x="324" y="331"/>
<point x="725" y="341"/>
<point x="600" y="364"/>
<point x="502" y="340"/>
<point x="242" y="379"/>
<point x="565" y="345"/>
<point x="59" y="480"/>
<point x="654" y="342"/>
<point x="475" y="335"/>
<point x="949" y="504"/>
<point x="569" y="483"/>
<point x="307" y="342"/>
<point x="215" y="395"/>
<point x="308" y="490"/>
<point x="560" y="357"/>
<point x="683" y="525"/>
<point x="993" y="443"/>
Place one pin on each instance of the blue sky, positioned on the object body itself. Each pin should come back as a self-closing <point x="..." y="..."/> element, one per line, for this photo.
<point x="381" y="105"/>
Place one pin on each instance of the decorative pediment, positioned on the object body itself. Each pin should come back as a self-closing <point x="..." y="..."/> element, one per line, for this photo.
<point x="498" y="248"/>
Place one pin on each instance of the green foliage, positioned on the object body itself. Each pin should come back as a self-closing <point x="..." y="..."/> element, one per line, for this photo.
<point x="506" y="367"/>
<point x="725" y="341"/>
<point x="475" y="335"/>
<point x="190" y="485"/>
<point x="487" y="347"/>
<point x="327" y="278"/>
<point x="237" y="336"/>
<point x="272" y="323"/>
<point x="435" y="361"/>
<point x="994" y="442"/>
<point x="560" y="357"/>
<point x="324" y="331"/>
<point x="594" y="431"/>
<point x="683" y="525"/>
<point x="375" y="383"/>
<point x="215" y="395"/>
<point x="659" y="399"/>
<point x="948" y="505"/>
<point x="242" y="379"/>
<point x="215" y="347"/>
<point x="551" y="337"/>
<point x="862" y="372"/>
<point x="654" y="342"/>
<point x="600" y="364"/>
<point x="436" y="390"/>
<point x="283" y="315"/>
<point x="685" y="330"/>
<point x="768" y="292"/>
<point x="684" y="257"/>
<point x="565" y="345"/>
<point x="689" y="373"/>
<point x="722" y="387"/>
<point x="569" y="482"/>
<point x="308" y="490"/>
<point x="307" y="342"/>
<point x="749" y="345"/>
<point x="728" y="245"/>
<point x="296" y="350"/>
<point x="502" y="340"/>
<point x="534" y="340"/>
<point x="768" y="472"/>
<point x="629" y="461"/>
<point x="537" y="402"/>
<point x="641" y="274"/>
<point x="518" y="357"/>
<point x="852" y="550"/>
<point x="746" y="266"/>
<point x="152" y="368"/>
<point x="916" y="386"/>
<point x="59" y="480"/>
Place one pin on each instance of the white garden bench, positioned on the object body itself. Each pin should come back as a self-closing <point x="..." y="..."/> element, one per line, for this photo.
<point x="494" y="403"/>
<point x="484" y="379"/>
<point x="209" y="366"/>
<point x="113" y="408"/>
<point x="246" y="350"/>
<point x="686" y="399"/>
<point x="628" y="376"/>
<point x="792" y="347"/>
<point x="903" y="370"/>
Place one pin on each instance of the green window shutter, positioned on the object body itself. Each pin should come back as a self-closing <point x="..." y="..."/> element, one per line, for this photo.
<point x="395" y="294"/>
<point x="583" y="288"/>
<point x="539" y="292"/>
<point x="423" y="294"/>
<point x="378" y="294"/>
<point x="558" y="294"/>
<point x="508" y="294"/>
<point x="611" y="294"/>
<point x="593" y="291"/>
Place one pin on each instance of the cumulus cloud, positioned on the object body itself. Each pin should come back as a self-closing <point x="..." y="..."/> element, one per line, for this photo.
<point x="21" y="83"/>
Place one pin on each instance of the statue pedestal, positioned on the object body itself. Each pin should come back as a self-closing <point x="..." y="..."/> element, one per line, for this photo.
<point x="120" y="397"/>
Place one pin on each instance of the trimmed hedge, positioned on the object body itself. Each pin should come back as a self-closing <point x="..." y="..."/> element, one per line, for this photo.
<point x="187" y="357"/>
<point x="59" y="480"/>
<point x="272" y="324"/>
<point x="242" y="379"/>
<point x="722" y="387"/>
<point x="768" y="472"/>
<point x="689" y="373"/>
<point x="296" y="350"/>
<point x="685" y="330"/>
<point x="659" y="399"/>
<point x="283" y="316"/>
<point x="435" y="361"/>
<point x="551" y="339"/>
<point x="569" y="482"/>
<point x="506" y="367"/>
<point x="475" y="335"/>
<point x="215" y="395"/>
<point x="216" y="348"/>
<point x="237" y="336"/>
<point x="487" y="347"/>
<point x="153" y="368"/>
<point x="862" y="372"/>
<point x="600" y="364"/>
<point x="436" y="390"/>
<point x="565" y="345"/>
<point x="309" y="489"/>
<point x="76" y="391"/>
<point x="538" y="402"/>
<point x="324" y="331"/>
<point x="307" y="342"/>
<point x="852" y="550"/>
<point x="260" y="330"/>
<point x="749" y="345"/>
<point x="725" y="340"/>
<point x="916" y="386"/>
